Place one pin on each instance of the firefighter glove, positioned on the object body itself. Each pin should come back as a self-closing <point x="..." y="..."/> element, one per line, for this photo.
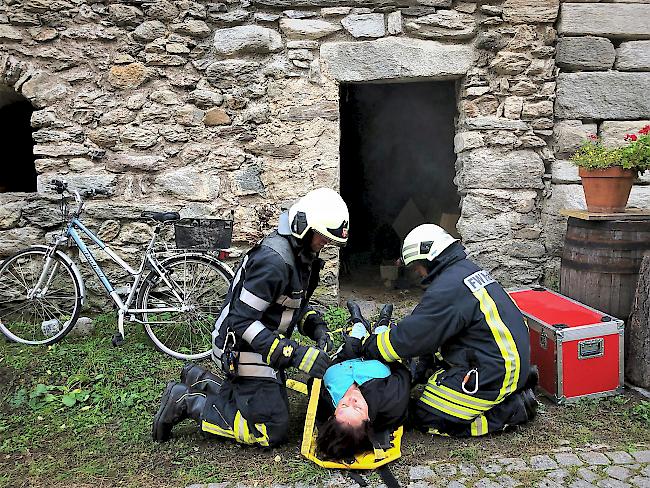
<point x="311" y="360"/>
<point x="323" y="338"/>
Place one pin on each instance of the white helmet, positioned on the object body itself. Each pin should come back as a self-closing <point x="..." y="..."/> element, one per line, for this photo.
<point x="426" y="241"/>
<point x="323" y="211"/>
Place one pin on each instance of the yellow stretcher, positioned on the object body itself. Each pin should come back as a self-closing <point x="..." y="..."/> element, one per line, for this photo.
<point x="367" y="460"/>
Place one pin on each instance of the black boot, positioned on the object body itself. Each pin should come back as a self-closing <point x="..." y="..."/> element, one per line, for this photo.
<point x="178" y="402"/>
<point x="199" y="378"/>
<point x="384" y="315"/>
<point x="355" y="315"/>
<point x="530" y="403"/>
<point x="528" y="393"/>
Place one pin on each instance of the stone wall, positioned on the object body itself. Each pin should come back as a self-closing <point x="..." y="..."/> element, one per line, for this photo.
<point x="204" y="107"/>
<point x="603" y="56"/>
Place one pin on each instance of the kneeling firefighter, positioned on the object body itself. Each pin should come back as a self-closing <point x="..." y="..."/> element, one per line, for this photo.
<point x="268" y="297"/>
<point x="467" y="332"/>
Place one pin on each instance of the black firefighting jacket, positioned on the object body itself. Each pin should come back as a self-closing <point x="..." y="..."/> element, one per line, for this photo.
<point x="468" y="318"/>
<point x="268" y="296"/>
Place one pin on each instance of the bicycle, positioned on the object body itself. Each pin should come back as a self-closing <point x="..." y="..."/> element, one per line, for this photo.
<point x="42" y="290"/>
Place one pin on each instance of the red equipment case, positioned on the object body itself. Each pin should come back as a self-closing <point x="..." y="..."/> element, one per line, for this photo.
<point x="578" y="350"/>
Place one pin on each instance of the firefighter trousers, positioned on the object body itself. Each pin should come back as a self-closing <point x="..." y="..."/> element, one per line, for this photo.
<point x="510" y="412"/>
<point x="248" y="410"/>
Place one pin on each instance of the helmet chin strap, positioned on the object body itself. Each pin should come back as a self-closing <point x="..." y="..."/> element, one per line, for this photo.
<point x="306" y="243"/>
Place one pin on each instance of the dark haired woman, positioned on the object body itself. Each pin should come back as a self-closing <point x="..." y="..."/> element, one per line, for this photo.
<point x="362" y="402"/>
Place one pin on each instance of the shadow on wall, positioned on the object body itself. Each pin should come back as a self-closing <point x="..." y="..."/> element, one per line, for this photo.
<point x="397" y="163"/>
<point x="17" y="173"/>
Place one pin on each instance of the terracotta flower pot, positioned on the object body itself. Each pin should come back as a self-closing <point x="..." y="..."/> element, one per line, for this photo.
<point x="607" y="190"/>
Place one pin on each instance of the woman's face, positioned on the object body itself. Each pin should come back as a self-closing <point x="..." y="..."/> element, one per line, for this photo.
<point x="352" y="408"/>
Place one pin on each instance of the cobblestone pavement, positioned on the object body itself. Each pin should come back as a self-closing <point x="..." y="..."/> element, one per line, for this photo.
<point x="571" y="468"/>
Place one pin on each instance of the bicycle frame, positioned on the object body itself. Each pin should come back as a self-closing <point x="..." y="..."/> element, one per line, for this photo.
<point x="124" y="307"/>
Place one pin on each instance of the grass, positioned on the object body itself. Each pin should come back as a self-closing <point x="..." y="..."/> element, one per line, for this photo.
<point x="79" y="413"/>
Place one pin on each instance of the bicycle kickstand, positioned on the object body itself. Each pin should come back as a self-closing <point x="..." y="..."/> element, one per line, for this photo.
<point x="118" y="337"/>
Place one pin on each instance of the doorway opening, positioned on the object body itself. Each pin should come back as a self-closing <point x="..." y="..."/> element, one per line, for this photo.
<point x="18" y="173"/>
<point x="397" y="171"/>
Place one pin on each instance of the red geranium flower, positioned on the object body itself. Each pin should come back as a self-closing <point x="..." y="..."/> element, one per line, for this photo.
<point x="645" y="130"/>
<point x="594" y="137"/>
<point x="630" y="137"/>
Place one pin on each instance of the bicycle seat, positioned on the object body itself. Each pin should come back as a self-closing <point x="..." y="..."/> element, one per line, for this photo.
<point x="161" y="216"/>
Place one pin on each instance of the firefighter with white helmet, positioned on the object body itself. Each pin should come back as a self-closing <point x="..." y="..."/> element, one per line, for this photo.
<point x="469" y="337"/>
<point x="267" y="299"/>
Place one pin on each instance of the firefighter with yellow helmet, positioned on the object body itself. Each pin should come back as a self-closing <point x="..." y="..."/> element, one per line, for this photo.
<point x="268" y="298"/>
<point x="470" y="336"/>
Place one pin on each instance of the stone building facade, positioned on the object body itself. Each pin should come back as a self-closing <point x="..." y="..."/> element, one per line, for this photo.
<point x="204" y="107"/>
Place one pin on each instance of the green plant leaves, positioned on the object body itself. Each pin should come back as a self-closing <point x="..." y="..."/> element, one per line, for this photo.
<point x="634" y="155"/>
<point x="68" y="400"/>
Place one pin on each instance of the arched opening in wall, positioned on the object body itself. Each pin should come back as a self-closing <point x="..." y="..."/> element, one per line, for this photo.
<point x="397" y="171"/>
<point x="18" y="173"/>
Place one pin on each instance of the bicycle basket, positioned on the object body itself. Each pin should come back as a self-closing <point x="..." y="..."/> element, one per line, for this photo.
<point x="204" y="234"/>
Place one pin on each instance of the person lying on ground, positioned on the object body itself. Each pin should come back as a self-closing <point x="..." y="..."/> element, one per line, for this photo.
<point x="268" y="298"/>
<point x="362" y="401"/>
<point x="482" y="380"/>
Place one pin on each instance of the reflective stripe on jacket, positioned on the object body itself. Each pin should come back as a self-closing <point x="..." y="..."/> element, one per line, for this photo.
<point x="268" y="296"/>
<point x="470" y="319"/>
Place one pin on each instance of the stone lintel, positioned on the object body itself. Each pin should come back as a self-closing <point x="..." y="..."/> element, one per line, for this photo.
<point x="396" y="58"/>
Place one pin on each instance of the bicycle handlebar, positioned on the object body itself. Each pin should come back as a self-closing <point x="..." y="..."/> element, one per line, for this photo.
<point x="91" y="192"/>
<point x="61" y="186"/>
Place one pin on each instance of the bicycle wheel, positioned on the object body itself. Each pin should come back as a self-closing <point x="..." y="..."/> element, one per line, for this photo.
<point x="202" y="283"/>
<point x="38" y="316"/>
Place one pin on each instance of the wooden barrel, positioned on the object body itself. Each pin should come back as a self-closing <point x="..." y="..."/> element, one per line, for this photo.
<point x="601" y="261"/>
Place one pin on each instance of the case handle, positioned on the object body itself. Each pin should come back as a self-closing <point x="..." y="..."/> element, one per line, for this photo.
<point x="591" y="348"/>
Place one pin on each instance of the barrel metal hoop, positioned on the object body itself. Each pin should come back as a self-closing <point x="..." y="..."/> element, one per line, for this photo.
<point x="597" y="268"/>
<point x="624" y="225"/>
<point x="609" y="244"/>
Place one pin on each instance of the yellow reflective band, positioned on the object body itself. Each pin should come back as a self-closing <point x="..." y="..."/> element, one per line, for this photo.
<point x="446" y="407"/>
<point x="298" y="386"/>
<point x="308" y="359"/>
<point x="441" y="396"/>
<point x="215" y="429"/>
<point x="479" y="426"/>
<point x="454" y="396"/>
<point x="461" y="398"/>
<point x="273" y="347"/>
<point x="304" y="318"/>
<point x="242" y="433"/>
<point x="431" y="393"/>
<point x="435" y="375"/>
<point x="263" y="440"/>
<point x="385" y="347"/>
<point x="504" y="341"/>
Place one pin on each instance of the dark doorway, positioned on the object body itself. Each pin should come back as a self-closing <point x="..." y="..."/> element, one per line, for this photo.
<point x="18" y="172"/>
<point x="397" y="167"/>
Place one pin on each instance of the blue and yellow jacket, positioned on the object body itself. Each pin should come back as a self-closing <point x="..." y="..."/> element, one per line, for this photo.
<point x="468" y="318"/>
